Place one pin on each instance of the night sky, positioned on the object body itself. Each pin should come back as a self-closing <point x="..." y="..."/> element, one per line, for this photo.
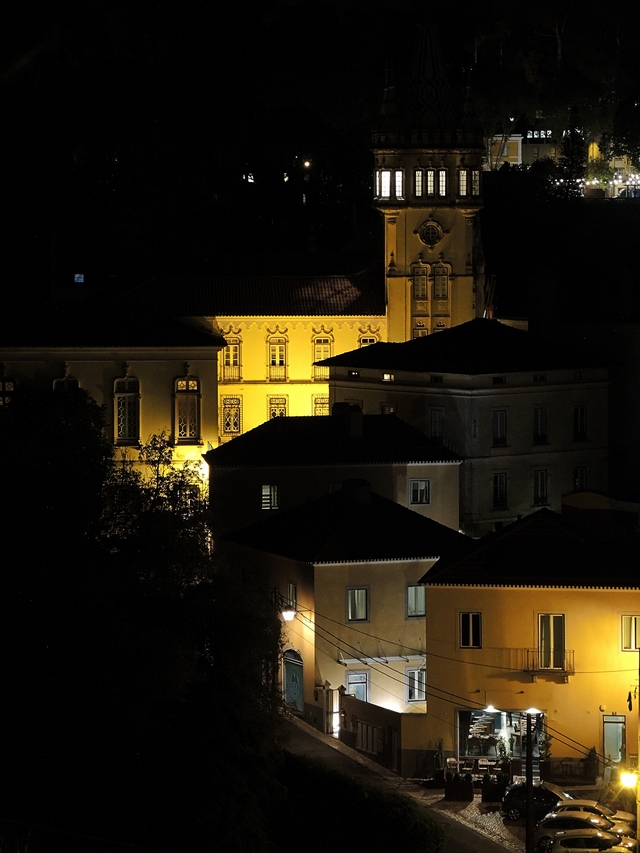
<point x="129" y="126"/>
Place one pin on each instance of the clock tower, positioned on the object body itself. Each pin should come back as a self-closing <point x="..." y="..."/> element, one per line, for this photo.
<point x="428" y="188"/>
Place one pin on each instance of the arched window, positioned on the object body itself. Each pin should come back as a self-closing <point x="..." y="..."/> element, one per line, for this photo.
<point x="231" y="361"/>
<point x="187" y="410"/>
<point x="126" y="410"/>
<point x="66" y="382"/>
<point x="277" y="359"/>
<point x="321" y="350"/>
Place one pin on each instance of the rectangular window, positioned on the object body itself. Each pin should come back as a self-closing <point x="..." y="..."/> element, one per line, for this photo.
<point x="475" y="182"/>
<point x="358" y="685"/>
<point x="540" y="417"/>
<point x="540" y="497"/>
<point x="358" y="604"/>
<point x="420" y="491"/>
<point x="367" y="341"/>
<point x="551" y="641"/>
<point x="579" y="423"/>
<point x="440" y="283"/>
<point x="277" y="407"/>
<point x="499" y="484"/>
<point x="269" y="497"/>
<point x="321" y="406"/>
<point x="388" y="377"/>
<point x="399" y="183"/>
<point x="277" y="359"/>
<point x="368" y="738"/>
<point x="437" y="423"/>
<point x="415" y="600"/>
<point x="462" y="182"/>
<point x="471" y="630"/>
<point x="127" y="410"/>
<point x="417" y="183"/>
<point x="292" y="595"/>
<point x="420" y="284"/>
<point x="431" y="181"/>
<point x="187" y="398"/>
<point x="321" y="350"/>
<point x="416" y="685"/>
<point x="630" y="633"/>
<point x="499" y="426"/>
<point x="385" y="183"/>
<point x="442" y="182"/>
<point x="579" y="478"/>
<point x="231" y="361"/>
<point x="231" y="415"/>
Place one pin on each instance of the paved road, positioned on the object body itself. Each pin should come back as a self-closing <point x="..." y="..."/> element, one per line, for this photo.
<point x="301" y="739"/>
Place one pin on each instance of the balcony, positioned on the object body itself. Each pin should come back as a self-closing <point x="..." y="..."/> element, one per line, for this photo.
<point x="550" y="661"/>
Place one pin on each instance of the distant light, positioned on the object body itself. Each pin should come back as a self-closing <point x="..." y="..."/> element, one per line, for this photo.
<point x="250" y="178"/>
<point x="306" y="164"/>
<point x="286" y="177"/>
<point x="78" y="278"/>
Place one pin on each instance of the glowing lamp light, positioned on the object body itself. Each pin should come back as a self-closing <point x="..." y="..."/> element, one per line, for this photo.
<point x="629" y="780"/>
<point x="288" y="613"/>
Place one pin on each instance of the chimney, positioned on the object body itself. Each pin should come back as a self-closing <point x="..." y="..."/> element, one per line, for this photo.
<point x="350" y="415"/>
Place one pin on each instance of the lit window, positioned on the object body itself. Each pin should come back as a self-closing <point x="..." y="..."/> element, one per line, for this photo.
<point x="415" y="601"/>
<point x="416" y="685"/>
<point x="321" y="406"/>
<point x="277" y="407"/>
<point x="269" y="497"/>
<point x="358" y="685"/>
<point x="551" y="641"/>
<point x="358" y="604"/>
<point x="418" y="176"/>
<point x="431" y="181"/>
<point x="277" y="359"/>
<point x="231" y="415"/>
<point x="463" y="175"/>
<point x="399" y="176"/>
<point x="630" y="633"/>
<point x="499" y="485"/>
<point x="321" y="350"/>
<point x="442" y="182"/>
<point x="540" y="497"/>
<point x="540" y="417"/>
<point x="126" y="397"/>
<point x="385" y="183"/>
<point x="231" y="360"/>
<point x="420" y="491"/>
<point x="187" y="410"/>
<point x="387" y="409"/>
<point x="388" y="377"/>
<point x="499" y="421"/>
<point x="470" y="630"/>
<point x="440" y="283"/>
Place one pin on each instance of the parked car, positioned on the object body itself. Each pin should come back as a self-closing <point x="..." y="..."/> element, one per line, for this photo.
<point x="591" y="841"/>
<point x="601" y="809"/>
<point x="546" y="828"/>
<point x="546" y="797"/>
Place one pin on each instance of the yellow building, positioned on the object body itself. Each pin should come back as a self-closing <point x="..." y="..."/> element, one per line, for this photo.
<point x="538" y="615"/>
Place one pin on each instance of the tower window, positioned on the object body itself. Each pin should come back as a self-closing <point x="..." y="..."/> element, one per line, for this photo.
<point x="442" y="182"/>
<point x="385" y="183"/>
<point x="431" y="181"/>
<point x="475" y="182"/>
<point x="441" y="283"/>
<point x="418" y="185"/>
<point x="420" y="284"/>
<point x="399" y="177"/>
<point x="462" y="182"/>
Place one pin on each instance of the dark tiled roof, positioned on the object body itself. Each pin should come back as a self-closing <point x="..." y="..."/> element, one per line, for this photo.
<point x="315" y="440"/>
<point x="543" y="550"/>
<point x="479" y="346"/>
<point x="98" y="324"/>
<point x="352" y="524"/>
<point x="356" y="295"/>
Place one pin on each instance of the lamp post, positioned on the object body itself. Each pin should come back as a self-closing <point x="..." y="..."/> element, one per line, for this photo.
<point x="530" y="824"/>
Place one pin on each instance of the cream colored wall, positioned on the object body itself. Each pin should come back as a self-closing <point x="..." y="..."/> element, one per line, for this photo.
<point x="156" y="370"/>
<point x="388" y="634"/>
<point x="604" y="674"/>
<point x="301" y="387"/>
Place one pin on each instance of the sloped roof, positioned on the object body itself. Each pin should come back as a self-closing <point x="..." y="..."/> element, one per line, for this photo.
<point x="350" y="525"/>
<point x="98" y="324"/>
<point x="313" y="440"/>
<point x="479" y="346"/>
<point x="542" y="550"/>
<point x="356" y="295"/>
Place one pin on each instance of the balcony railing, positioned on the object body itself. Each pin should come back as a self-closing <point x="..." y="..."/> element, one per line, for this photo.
<point x="550" y="660"/>
<point x="277" y="373"/>
<point x="230" y="373"/>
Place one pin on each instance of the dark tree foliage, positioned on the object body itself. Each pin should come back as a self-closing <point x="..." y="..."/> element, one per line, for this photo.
<point x="138" y="712"/>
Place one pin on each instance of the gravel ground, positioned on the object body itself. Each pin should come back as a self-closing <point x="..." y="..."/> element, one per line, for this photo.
<point x="483" y="817"/>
